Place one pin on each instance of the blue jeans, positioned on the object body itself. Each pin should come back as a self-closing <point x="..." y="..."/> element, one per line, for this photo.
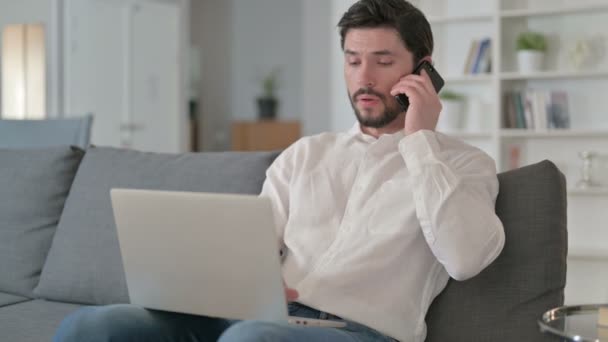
<point x="125" y="322"/>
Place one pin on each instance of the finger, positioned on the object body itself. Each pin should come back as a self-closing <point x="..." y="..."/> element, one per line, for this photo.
<point x="291" y="294"/>
<point x="414" y="80"/>
<point x="406" y="86"/>
<point x="400" y="87"/>
<point x="425" y="80"/>
<point x="413" y="93"/>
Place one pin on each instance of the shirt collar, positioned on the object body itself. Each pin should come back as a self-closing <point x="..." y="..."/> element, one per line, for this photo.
<point x="355" y="131"/>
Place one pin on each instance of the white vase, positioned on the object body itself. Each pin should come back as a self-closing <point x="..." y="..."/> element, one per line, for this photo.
<point x="530" y="61"/>
<point x="450" y="119"/>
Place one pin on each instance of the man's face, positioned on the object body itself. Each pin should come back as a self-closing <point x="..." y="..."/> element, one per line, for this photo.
<point x="374" y="61"/>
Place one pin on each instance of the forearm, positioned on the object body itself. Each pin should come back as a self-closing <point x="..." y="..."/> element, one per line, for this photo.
<point x="455" y="191"/>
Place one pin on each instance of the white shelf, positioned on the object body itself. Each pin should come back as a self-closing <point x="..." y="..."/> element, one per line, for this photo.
<point x="599" y="191"/>
<point x="459" y="18"/>
<point x="585" y="87"/>
<point x="469" y="135"/>
<point x="552" y="75"/>
<point x="472" y="78"/>
<point x="587" y="254"/>
<point x="553" y="133"/>
<point x="571" y="9"/>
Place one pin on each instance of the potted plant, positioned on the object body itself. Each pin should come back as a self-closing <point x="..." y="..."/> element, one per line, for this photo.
<point x="267" y="102"/>
<point x="531" y="47"/>
<point x="453" y="103"/>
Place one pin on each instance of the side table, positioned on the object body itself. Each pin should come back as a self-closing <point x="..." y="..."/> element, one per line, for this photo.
<point x="575" y="323"/>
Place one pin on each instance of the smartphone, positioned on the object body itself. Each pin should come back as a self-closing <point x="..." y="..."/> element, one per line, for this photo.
<point x="435" y="79"/>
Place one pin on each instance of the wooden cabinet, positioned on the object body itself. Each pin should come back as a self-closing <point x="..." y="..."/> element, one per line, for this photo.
<point x="264" y="135"/>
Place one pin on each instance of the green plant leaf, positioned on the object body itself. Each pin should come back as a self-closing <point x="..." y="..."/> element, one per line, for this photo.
<point x="531" y="41"/>
<point x="447" y="94"/>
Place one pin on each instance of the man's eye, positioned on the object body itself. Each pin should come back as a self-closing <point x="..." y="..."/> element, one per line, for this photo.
<point x="354" y="63"/>
<point x="386" y="63"/>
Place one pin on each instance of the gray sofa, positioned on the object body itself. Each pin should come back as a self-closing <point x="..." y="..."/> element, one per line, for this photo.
<point x="59" y="251"/>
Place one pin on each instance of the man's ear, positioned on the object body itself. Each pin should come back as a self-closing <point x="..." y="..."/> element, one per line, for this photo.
<point x="428" y="59"/>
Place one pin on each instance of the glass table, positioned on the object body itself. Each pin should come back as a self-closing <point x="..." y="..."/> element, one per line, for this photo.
<point x="575" y="323"/>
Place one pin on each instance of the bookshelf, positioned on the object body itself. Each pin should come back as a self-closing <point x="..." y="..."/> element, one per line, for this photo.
<point x="553" y="134"/>
<point x="467" y="78"/>
<point x="600" y="191"/>
<point x="456" y="24"/>
<point x="588" y="254"/>
<point x="554" y="75"/>
<point x="458" y="18"/>
<point x="561" y="10"/>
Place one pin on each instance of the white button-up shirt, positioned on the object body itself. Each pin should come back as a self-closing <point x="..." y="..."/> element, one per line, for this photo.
<point x="372" y="229"/>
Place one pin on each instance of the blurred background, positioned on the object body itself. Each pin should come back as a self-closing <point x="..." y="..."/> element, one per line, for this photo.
<point x="526" y="80"/>
<point x="170" y="75"/>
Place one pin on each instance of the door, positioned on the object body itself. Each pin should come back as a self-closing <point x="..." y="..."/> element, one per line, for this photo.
<point x="156" y="77"/>
<point x="122" y="63"/>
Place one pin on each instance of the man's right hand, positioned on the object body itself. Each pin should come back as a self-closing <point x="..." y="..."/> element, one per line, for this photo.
<point x="290" y="294"/>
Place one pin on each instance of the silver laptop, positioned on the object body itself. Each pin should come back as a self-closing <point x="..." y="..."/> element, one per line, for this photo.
<point x="205" y="254"/>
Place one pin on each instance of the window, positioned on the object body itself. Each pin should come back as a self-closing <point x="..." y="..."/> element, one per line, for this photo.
<point x="23" y="72"/>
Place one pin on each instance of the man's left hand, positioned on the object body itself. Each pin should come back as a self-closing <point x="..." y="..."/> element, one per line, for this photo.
<point x="425" y="106"/>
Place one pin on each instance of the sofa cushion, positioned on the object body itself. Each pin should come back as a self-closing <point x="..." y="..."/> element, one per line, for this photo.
<point x="84" y="263"/>
<point x="529" y="276"/>
<point x="34" y="184"/>
<point x="33" y="321"/>
<point x="9" y="299"/>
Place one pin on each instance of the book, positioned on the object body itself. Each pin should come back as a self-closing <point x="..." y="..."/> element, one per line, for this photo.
<point x="468" y="64"/>
<point x="536" y="109"/>
<point x="539" y="110"/>
<point x="510" y="114"/>
<point x="480" y="55"/>
<point x="519" y="108"/>
<point x="528" y="115"/>
<point x="559" y="115"/>
<point x="485" y="60"/>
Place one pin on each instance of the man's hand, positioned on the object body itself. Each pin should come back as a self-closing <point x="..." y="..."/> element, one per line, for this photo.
<point x="425" y="106"/>
<point x="290" y="294"/>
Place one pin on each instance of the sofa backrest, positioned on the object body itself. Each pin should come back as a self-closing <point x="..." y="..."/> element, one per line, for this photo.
<point x="84" y="263"/>
<point x="74" y="131"/>
<point x="504" y="302"/>
<point x="34" y="185"/>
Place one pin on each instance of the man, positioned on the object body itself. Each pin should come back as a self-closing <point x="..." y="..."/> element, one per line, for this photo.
<point x="373" y="222"/>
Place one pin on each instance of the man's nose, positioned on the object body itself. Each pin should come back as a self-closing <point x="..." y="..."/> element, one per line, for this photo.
<point x="366" y="76"/>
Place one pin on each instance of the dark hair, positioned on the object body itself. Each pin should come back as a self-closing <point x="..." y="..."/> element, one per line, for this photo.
<point x="409" y="21"/>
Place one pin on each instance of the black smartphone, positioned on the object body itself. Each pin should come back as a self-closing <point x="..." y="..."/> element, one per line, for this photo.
<point x="435" y="79"/>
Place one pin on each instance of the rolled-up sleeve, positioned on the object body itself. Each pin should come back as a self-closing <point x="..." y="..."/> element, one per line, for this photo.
<point x="455" y="188"/>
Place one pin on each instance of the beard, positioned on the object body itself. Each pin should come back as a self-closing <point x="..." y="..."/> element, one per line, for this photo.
<point x="389" y="115"/>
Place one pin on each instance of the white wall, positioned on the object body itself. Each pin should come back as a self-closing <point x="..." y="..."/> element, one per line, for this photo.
<point x="342" y="116"/>
<point x="211" y="30"/>
<point x="240" y="41"/>
<point x="318" y="35"/>
<point x="267" y="34"/>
